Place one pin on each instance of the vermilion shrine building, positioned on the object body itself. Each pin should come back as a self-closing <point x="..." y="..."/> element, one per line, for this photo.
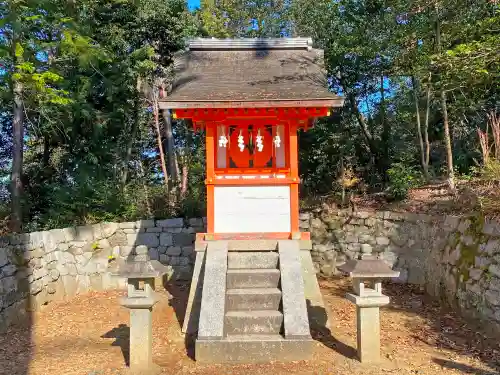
<point x="251" y="97"/>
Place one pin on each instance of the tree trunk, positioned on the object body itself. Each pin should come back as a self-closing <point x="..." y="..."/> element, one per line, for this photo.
<point x="130" y="141"/>
<point x="169" y="136"/>
<point x="447" y="141"/>
<point x="426" y="124"/>
<point x="160" y="146"/>
<point x="419" y="129"/>
<point x="444" y="109"/>
<point x="386" y="131"/>
<point x="146" y="189"/>
<point x="17" y="138"/>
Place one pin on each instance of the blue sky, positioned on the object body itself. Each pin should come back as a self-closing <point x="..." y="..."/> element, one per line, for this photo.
<point x="193" y="3"/>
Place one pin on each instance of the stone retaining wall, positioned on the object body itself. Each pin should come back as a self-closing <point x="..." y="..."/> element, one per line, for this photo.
<point x="457" y="259"/>
<point x="40" y="267"/>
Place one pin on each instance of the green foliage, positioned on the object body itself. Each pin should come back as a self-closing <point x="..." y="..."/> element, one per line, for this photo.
<point x="402" y="178"/>
<point x="90" y="71"/>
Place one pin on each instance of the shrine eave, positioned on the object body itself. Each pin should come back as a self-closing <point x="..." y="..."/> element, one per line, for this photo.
<point x="287" y="103"/>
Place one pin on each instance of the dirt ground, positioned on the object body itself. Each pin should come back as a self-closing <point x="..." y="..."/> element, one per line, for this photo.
<point x="89" y="336"/>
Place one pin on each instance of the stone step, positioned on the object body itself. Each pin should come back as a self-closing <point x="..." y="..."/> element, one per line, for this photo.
<point x="253" y="349"/>
<point x="253" y="322"/>
<point x="252" y="278"/>
<point x="252" y="259"/>
<point x="253" y="299"/>
<point x="253" y="245"/>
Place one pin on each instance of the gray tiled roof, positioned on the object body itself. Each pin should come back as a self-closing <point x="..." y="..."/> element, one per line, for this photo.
<point x="249" y="70"/>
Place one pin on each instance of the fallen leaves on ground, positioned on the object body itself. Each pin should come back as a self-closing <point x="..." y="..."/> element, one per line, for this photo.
<point x="89" y="335"/>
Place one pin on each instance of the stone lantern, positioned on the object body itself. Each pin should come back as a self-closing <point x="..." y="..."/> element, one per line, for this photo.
<point x="367" y="274"/>
<point x="140" y="272"/>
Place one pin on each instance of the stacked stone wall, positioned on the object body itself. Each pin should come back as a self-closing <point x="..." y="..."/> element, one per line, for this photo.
<point x="40" y="267"/>
<point x="456" y="259"/>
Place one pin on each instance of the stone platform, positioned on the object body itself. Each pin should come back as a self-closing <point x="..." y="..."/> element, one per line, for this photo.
<point x="252" y="301"/>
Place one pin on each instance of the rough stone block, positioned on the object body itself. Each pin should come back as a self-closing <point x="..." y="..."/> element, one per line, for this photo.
<point x="127" y="225"/>
<point x="54" y="274"/>
<point x="494" y="269"/>
<point x="163" y="258"/>
<point x="145" y="224"/>
<point x="72" y="271"/>
<point x="172" y="230"/>
<point x="118" y="239"/>
<point x="196" y="222"/>
<point x="166" y="239"/>
<point x="58" y="235"/>
<point x="491" y="247"/>
<point x="82" y="284"/>
<point x="108" y="229"/>
<point x="171" y="223"/>
<point x="153" y="230"/>
<point x="366" y="248"/>
<point x="475" y="274"/>
<point x="187" y="250"/>
<point x="351" y="238"/>
<point x="63" y="270"/>
<point x="3" y="257"/>
<point x="132" y="239"/>
<point x="174" y="251"/>
<point x="67" y="257"/>
<point x="494" y="284"/>
<point x="382" y="241"/>
<point x="49" y="242"/>
<point x="131" y="231"/>
<point x="126" y="250"/>
<point x="36" y="239"/>
<point x="183" y="239"/>
<point x="103" y="244"/>
<point x="83" y="258"/>
<point x="491" y="227"/>
<point x="493" y="297"/>
<point x="482" y="262"/>
<point x="304" y="216"/>
<point x="39" y="273"/>
<point x="97" y="231"/>
<point x="304" y="225"/>
<point x="84" y="233"/>
<point x="153" y="254"/>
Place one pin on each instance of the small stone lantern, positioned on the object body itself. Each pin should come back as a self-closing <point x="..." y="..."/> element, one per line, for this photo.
<point x="140" y="272"/>
<point x="367" y="273"/>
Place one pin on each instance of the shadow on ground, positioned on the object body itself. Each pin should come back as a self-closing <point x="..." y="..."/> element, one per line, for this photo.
<point x="121" y="334"/>
<point x="179" y="291"/>
<point x="321" y="333"/>
<point x="444" y="328"/>
<point x="438" y="327"/>
<point x="465" y="369"/>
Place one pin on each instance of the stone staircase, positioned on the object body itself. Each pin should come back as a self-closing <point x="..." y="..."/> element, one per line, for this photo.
<point x="255" y="307"/>
<point x="253" y="295"/>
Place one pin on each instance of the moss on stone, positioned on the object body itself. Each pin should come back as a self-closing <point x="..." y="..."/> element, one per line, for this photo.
<point x="468" y="253"/>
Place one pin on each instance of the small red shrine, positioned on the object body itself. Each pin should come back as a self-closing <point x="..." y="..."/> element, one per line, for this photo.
<point x="251" y="97"/>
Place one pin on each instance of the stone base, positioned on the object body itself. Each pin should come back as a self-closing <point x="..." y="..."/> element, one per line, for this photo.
<point x="253" y="349"/>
